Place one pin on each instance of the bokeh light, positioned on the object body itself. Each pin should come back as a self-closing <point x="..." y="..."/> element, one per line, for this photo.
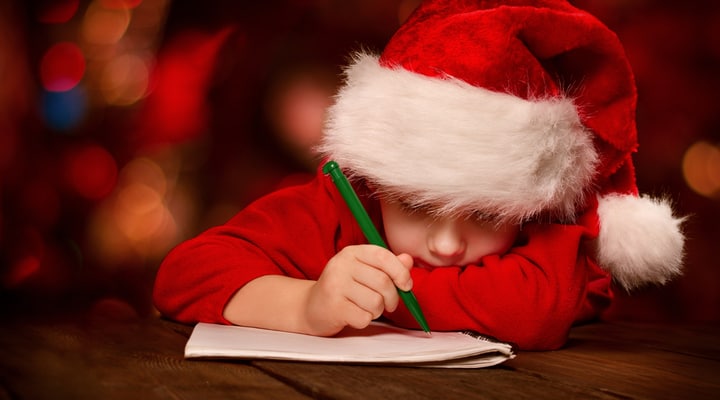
<point x="145" y="171"/>
<point x="296" y="108"/>
<point x="62" y="67"/>
<point x="22" y="270"/>
<point x="130" y="125"/>
<point x="139" y="211"/>
<point x="27" y="257"/>
<point x="125" y="80"/>
<point x="177" y="110"/>
<point x="90" y="171"/>
<point x="57" y="11"/>
<point x="139" y="222"/>
<point x="701" y="168"/>
<point x="64" y="111"/>
<point x="103" y="25"/>
<point x="120" y="4"/>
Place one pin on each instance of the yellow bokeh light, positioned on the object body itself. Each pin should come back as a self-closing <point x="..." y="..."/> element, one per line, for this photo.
<point x="701" y="168"/>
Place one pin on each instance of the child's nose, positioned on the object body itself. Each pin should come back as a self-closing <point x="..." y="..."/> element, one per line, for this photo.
<point x="446" y="242"/>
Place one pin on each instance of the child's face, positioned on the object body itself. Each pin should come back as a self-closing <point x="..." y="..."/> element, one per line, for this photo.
<point x="443" y="241"/>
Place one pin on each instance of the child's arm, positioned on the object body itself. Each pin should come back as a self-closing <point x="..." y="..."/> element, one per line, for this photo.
<point x="530" y="296"/>
<point x="357" y="286"/>
<point x="261" y="266"/>
<point x="292" y="232"/>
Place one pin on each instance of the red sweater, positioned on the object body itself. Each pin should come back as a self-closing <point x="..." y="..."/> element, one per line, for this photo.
<point x="530" y="296"/>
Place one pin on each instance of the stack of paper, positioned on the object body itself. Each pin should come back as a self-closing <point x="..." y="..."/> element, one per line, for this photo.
<point x="379" y="343"/>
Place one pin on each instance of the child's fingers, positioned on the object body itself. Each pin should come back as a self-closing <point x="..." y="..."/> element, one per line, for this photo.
<point x="380" y="284"/>
<point x="357" y="285"/>
<point x="367" y="299"/>
<point x="387" y="262"/>
<point x="357" y="318"/>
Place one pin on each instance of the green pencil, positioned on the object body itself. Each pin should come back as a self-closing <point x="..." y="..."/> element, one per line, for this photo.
<point x="373" y="236"/>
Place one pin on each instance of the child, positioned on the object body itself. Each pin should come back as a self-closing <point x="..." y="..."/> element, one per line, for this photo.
<point x="491" y="144"/>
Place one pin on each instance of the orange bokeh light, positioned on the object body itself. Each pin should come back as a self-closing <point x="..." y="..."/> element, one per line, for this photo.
<point x="136" y="222"/>
<point x="120" y="4"/>
<point x="701" y="168"/>
<point x="125" y="80"/>
<point x="105" y="26"/>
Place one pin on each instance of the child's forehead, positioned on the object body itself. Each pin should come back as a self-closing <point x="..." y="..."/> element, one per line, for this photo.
<point x="438" y="208"/>
<point x="435" y="204"/>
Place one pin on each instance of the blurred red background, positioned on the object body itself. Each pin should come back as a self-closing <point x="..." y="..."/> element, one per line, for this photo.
<point x="127" y="126"/>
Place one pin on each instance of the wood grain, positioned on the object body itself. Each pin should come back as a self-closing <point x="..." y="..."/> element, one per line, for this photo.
<point x="633" y="361"/>
<point x="119" y="360"/>
<point x="106" y="355"/>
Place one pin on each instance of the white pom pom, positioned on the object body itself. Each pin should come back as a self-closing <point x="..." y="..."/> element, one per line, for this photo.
<point x="640" y="240"/>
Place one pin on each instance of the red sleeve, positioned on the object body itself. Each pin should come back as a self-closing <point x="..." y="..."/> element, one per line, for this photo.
<point x="530" y="296"/>
<point x="291" y="232"/>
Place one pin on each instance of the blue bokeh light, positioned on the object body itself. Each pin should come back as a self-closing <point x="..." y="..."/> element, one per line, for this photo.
<point x="64" y="111"/>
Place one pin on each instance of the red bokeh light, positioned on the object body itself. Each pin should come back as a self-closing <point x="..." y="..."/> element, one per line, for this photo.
<point x="25" y="257"/>
<point x="176" y="109"/>
<point x="90" y="171"/>
<point x="22" y="270"/>
<point x="57" y="12"/>
<point x="62" y="67"/>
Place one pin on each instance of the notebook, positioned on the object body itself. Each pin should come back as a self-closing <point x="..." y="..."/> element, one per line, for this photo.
<point x="379" y="343"/>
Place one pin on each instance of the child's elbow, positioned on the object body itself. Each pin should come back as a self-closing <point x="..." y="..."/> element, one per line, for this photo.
<point x="167" y="297"/>
<point x="541" y="338"/>
<point x="537" y="330"/>
<point x="164" y="302"/>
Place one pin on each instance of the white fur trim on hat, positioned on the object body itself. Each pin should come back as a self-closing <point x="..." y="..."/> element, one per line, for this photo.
<point x="444" y="142"/>
<point x="640" y="240"/>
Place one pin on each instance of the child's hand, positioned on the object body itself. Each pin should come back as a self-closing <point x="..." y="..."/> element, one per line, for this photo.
<point x="356" y="286"/>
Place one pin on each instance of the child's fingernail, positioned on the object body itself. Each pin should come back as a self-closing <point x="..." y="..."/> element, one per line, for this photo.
<point x="408" y="285"/>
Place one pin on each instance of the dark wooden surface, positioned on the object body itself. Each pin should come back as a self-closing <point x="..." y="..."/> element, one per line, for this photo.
<point x="99" y="355"/>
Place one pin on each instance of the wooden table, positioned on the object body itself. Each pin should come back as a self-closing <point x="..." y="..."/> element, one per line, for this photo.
<point x="109" y="355"/>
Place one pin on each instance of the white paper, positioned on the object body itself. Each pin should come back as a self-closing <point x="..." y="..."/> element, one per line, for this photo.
<point x="379" y="343"/>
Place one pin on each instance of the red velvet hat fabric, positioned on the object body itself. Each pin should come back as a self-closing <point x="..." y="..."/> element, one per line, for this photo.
<point x="519" y="110"/>
<point x="533" y="50"/>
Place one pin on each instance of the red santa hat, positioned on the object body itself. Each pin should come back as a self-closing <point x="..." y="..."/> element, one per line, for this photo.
<point x="515" y="109"/>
